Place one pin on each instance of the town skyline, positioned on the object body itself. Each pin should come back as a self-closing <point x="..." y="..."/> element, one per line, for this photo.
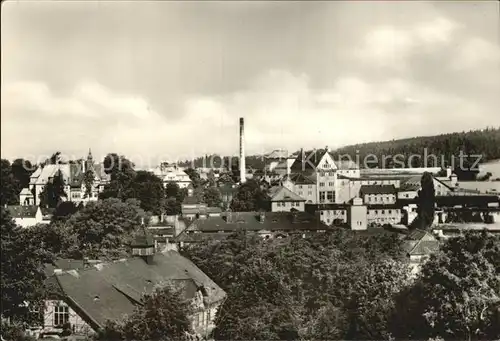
<point x="308" y="79"/>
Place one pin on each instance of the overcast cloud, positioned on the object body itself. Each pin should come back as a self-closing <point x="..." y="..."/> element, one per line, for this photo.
<point x="168" y="79"/>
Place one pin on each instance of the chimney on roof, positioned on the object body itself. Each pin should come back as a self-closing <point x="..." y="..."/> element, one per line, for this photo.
<point x="327" y="149"/>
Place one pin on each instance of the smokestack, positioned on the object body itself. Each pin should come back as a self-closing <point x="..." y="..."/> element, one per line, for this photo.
<point x="242" y="151"/>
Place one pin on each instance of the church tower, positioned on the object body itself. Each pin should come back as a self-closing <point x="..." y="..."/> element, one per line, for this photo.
<point x="89" y="163"/>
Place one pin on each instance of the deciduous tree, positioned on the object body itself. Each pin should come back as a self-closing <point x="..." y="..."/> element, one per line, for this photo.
<point x="163" y="315"/>
<point x="22" y="275"/>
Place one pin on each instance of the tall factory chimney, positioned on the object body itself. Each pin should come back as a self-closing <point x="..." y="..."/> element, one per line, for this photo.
<point x="242" y="151"/>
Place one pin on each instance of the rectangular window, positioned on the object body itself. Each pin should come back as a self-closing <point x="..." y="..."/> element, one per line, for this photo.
<point x="330" y="184"/>
<point x="321" y="196"/>
<point x="309" y="192"/>
<point x="321" y="184"/>
<point x="61" y="315"/>
<point x="300" y="186"/>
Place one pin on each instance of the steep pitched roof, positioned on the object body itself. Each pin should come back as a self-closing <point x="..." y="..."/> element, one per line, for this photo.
<point x="18" y="211"/>
<point x="300" y="179"/>
<point x="280" y="193"/>
<point x="377" y="189"/>
<point x="308" y="161"/>
<point x="111" y="291"/>
<point x="421" y="243"/>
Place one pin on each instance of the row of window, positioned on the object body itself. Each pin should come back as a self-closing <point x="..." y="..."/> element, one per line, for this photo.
<point x="338" y="212"/>
<point x="308" y="193"/>
<point x="380" y="198"/>
<point x="329" y="195"/>
<point x="283" y="204"/>
<point x="380" y="182"/>
<point x="308" y="186"/>
<point x="322" y="184"/>
<point x="383" y="211"/>
<point x="78" y="195"/>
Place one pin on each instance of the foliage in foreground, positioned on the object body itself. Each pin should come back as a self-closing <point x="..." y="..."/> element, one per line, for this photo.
<point x="163" y="315"/>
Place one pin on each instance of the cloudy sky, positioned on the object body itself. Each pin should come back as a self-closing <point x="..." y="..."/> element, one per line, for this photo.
<point x="170" y="79"/>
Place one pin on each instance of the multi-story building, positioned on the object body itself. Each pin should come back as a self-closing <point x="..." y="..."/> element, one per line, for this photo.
<point x="378" y="194"/>
<point x="330" y="214"/>
<point x="91" y="295"/>
<point x="171" y="173"/>
<point x="302" y="185"/>
<point x="284" y="200"/>
<point x="383" y="214"/>
<point x="73" y="176"/>
<point x="321" y="166"/>
<point x="264" y="224"/>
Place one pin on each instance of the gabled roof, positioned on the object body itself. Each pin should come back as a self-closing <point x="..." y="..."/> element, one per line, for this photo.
<point x="421" y="243"/>
<point x="280" y="193"/>
<point x="300" y="179"/>
<point x="111" y="291"/>
<point x="18" y="211"/>
<point x="26" y="191"/>
<point x="308" y="161"/>
<point x="377" y="189"/>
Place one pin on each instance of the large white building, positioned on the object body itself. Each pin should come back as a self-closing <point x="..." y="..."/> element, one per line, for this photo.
<point x="73" y="178"/>
<point x="172" y="174"/>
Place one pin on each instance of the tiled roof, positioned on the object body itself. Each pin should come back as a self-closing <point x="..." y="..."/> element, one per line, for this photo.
<point x="201" y="210"/>
<point x="420" y="242"/>
<point x="250" y="221"/>
<point x="111" y="291"/>
<point x="162" y="231"/>
<point x="17" y="211"/>
<point x="308" y="160"/>
<point x="416" y="234"/>
<point x="201" y="237"/>
<point x="377" y="189"/>
<point x="425" y="247"/>
<point x="301" y="179"/>
<point x="280" y="193"/>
